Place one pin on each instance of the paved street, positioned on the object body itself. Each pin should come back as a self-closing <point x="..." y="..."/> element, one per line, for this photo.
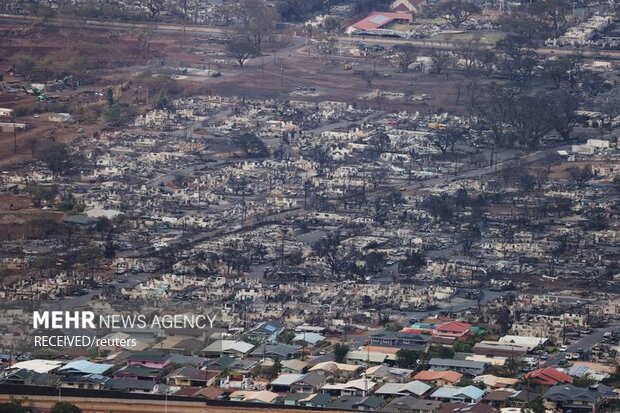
<point x="584" y="343"/>
<point x="298" y="40"/>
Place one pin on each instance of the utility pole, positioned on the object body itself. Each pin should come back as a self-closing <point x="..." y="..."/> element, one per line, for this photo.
<point x="282" y="249"/>
<point x="14" y="134"/>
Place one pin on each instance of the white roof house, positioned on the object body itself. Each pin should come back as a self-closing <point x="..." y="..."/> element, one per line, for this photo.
<point x="352" y="387"/>
<point x="523" y="341"/>
<point x="229" y="346"/>
<point x="85" y="367"/>
<point x="287" y="379"/>
<point x="38" y="365"/>
<point x="414" y="388"/>
<point x="310" y="338"/>
<point x="263" y="396"/>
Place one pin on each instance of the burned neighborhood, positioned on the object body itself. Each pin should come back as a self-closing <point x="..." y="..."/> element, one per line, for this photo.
<point x="275" y="205"/>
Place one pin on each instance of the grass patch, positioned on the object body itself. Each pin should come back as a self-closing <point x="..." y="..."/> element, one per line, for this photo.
<point x="490" y="38"/>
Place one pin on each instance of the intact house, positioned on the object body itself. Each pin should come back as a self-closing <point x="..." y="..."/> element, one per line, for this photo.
<point x="129" y="385"/>
<point x="566" y="397"/>
<point x="267" y="331"/>
<point x="408" y="6"/>
<point x="415" y="388"/>
<point x="456" y="329"/>
<point x="417" y="342"/>
<point x="410" y="404"/>
<point x="138" y="372"/>
<point x="84" y="367"/>
<point x="89" y="381"/>
<point x="469" y="394"/>
<point x="387" y="374"/>
<point x="276" y="351"/>
<point x="190" y="376"/>
<point x="470" y="368"/>
<point x="439" y="378"/>
<point x="228" y="347"/>
<point x="149" y="359"/>
<point x="358" y="387"/>
<point x="298" y="383"/>
<point x="548" y="376"/>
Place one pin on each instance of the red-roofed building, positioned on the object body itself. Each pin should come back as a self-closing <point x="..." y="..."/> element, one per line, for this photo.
<point x="456" y="329"/>
<point x="409" y="6"/>
<point x="548" y="376"/>
<point x="378" y="20"/>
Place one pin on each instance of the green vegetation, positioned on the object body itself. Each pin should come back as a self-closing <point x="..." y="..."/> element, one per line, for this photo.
<point x="462" y="347"/>
<point x="407" y="359"/>
<point x="286" y="336"/>
<point x="51" y="67"/>
<point x="64" y="407"/>
<point x="340" y="352"/>
<point x="118" y="114"/>
<point x="489" y="37"/>
<point x="13" y="407"/>
<point x="274" y="370"/>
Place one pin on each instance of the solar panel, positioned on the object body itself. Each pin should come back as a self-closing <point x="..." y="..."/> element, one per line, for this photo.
<point x="379" y="19"/>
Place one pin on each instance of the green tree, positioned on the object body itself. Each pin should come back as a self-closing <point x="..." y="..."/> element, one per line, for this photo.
<point x="286" y="336"/>
<point x="13" y="407"/>
<point x="275" y="369"/>
<point x="407" y="359"/>
<point x="24" y="65"/>
<point x="109" y="96"/>
<point x="393" y="326"/>
<point x="462" y="347"/>
<point x="584" y="381"/>
<point x="68" y="203"/>
<point x="331" y="24"/>
<point x="446" y="352"/>
<point x="340" y="352"/>
<point x="535" y="406"/>
<point x="118" y="114"/>
<point x="613" y="379"/>
<point x="64" y="407"/>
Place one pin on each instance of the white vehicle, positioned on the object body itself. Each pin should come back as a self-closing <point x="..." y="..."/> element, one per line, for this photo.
<point x="563" y="348"/>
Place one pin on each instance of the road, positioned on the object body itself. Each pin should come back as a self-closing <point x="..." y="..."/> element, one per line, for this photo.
<point x="297" y="42"/>
<point x="584" y="343"/>
<point x="486" y="170"/>
<point x="129" y="26"/>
